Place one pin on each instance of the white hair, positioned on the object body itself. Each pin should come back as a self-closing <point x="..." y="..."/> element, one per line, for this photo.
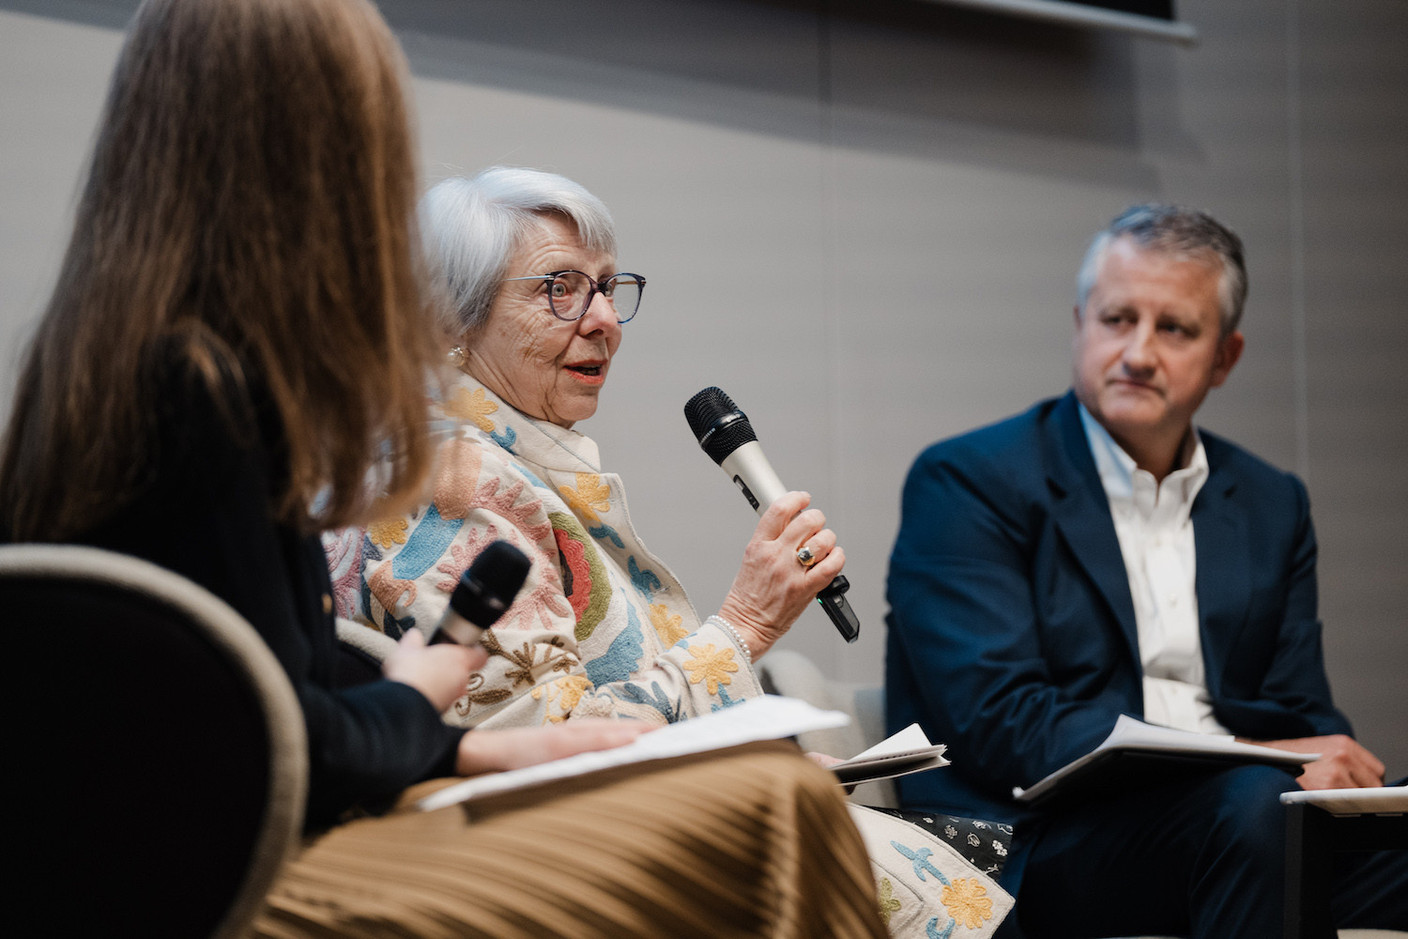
<point x="471" y="227"/>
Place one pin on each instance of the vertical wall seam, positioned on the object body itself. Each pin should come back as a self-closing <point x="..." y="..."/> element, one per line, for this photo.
<point x="1295" y="203"/>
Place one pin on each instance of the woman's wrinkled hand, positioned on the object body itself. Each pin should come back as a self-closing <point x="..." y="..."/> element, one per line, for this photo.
<point x="440" y="672"/>
<point x="491" y="751"/>
<point x="772" y="587"/>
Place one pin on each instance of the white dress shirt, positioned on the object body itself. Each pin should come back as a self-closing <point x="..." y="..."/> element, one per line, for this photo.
<point x="1155" y="530"/>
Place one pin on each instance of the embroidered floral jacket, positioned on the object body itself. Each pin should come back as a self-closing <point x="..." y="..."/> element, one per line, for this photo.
<point x="601" y="626"/>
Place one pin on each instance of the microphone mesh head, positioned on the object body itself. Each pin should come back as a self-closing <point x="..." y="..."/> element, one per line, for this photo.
<point x="717" y="423"/>
<point x="705" y="408"/>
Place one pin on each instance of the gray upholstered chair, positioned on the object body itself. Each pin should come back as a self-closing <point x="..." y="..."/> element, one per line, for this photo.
<point x="158" y="765"/>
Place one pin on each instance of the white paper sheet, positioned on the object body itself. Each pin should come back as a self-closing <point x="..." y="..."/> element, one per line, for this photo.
<point x="769" y="717"/>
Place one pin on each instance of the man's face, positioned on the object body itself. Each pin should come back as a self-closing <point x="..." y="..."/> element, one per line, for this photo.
<point x="1148" y="347"/>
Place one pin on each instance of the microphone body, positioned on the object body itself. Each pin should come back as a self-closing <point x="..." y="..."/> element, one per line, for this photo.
<point x="726" y="435"/>
<point x="753" y="474"/>
<point x="484" y="592"/>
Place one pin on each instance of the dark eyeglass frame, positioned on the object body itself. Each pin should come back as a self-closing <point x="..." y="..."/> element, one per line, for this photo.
<point x="597" y="288"/>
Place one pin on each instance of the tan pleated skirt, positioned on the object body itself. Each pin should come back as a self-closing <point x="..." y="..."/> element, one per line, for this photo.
<point x="751" y="841"/>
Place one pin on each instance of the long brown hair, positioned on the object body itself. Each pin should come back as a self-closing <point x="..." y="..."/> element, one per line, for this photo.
<point x="250" y="198"/>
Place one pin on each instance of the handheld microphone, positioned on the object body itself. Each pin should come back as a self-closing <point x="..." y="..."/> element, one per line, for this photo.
<point x="484" y="592"/>
<point x="726" y="435"/>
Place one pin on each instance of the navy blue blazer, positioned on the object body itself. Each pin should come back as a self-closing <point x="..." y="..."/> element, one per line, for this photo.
<point x="1012" y="634"/>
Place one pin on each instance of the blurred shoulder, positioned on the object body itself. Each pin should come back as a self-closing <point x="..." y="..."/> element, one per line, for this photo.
<point x="1236" y="464"/>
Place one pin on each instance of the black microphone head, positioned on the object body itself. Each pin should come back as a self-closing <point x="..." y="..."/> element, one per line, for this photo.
<point x="487" y="589"/>
<point x="717" y="423"/>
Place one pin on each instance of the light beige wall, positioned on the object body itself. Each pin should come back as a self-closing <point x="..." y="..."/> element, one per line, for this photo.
<point x="865" y="225"/>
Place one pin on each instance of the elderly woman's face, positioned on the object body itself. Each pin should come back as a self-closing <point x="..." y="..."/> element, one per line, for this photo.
<point x="544" y="367"/>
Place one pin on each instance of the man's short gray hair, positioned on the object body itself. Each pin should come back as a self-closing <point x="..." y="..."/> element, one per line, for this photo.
<point x="472" y="227"/>
<point x="1179" y="232"/>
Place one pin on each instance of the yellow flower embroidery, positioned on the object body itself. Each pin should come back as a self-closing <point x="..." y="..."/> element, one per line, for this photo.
<point x="710" y="665"/>
<point x="967" y="902"/>
<point x="590" y="497"/>
<point x="889" y="903"/>
<point x="567" y="691"/>
<point x="472" y="406"/>
<point x="666" y="624"/>
<point x="387" y="532"/>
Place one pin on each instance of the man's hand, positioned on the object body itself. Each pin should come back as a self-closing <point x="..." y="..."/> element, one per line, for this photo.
<point x="1343" y="763"/>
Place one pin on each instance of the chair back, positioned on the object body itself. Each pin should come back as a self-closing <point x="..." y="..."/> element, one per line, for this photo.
<point x="792" y="674"/>
<point x="160" y="770"/>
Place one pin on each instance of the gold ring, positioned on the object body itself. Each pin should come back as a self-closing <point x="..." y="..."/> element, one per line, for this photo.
<point x="805" y="557"/>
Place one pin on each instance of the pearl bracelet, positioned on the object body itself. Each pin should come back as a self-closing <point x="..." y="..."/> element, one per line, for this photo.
<point x="718" y="620"/>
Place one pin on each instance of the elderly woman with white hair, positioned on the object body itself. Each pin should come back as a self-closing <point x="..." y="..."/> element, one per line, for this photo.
<point x="533" y="306"/>
<point x="534" y="309"/>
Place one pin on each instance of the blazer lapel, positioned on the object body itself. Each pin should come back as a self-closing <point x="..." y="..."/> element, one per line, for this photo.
<point x="1082" y="515"/>
<point x="1220" y="536"/>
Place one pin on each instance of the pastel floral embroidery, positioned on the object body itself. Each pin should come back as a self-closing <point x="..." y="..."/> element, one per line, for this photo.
<point x="388" y="531"/>
<point x="456" y="560"/>
<point x="667" y="624"/>
<point x="621" y="658"/>
<point x="567" y="691"/>
<point x="584" y="577"/>
<point x="724" y="701"/>
<point x="344" y="551"/>
<point x="503" y="501"/>
<point x="394" y="594"/>
<point x="967" y="902"/>
<point x="919" y="858"/>
<point x="590" y="496"/>
<point x="711" y="665"/>
<point x="656" y="698"/>
<point x="472" y="406"/>
<point x="889" y="903"/>
<point x="646" y="581"/>
<point x="455" y="482"/>
<point x="475" y="693"/>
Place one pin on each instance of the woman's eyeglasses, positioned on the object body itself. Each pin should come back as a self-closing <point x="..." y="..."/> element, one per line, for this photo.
<point x="570" y="293"/>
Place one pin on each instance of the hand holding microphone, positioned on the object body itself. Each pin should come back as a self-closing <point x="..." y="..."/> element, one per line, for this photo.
<point x="441" y="669"/>
<point x="726" y="435"/>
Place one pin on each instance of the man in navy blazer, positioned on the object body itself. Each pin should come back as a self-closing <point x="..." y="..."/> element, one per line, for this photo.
<point x="1097" y="556"/>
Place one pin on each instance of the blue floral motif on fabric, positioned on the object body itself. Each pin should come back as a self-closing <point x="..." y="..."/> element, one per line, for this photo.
<point x="660" y="701"/>
<point x="932" y="930"/>
<point x="920" y="860"/>
<point x="605" y="532"/>
<point x="428" y="542"/>
<point x="725" y="701"/>
<point x="506" y="439"/>
<point x="622" y="657"/>
<point x="644" y="581"/>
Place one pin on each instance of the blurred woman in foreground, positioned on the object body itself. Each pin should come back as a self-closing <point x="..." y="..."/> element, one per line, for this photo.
<point x="235" y="342"/>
